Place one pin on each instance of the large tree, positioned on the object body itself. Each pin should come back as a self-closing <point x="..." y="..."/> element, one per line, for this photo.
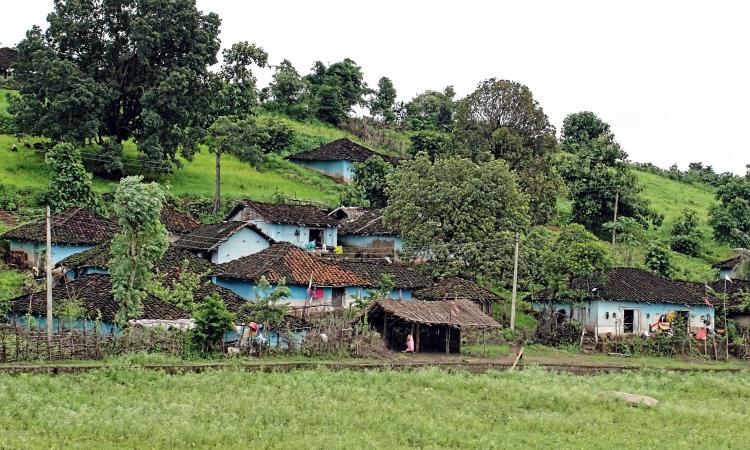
<point x="336" y="89"/>
<point x="501" y="119"/>
<point x="597" y="174"/>
<point x="238" y="137"/>
<point x="456" y="212"/>
<point x="383" y="103"/>
<point x="730" y="217"/>
<point x="370" y="179"/>
<point x="120" y="69"/>
<point x="141" y="241"/>
<point x="288" y="91"/>
<point x="237" y="93"/>
<point x="430" y="110"/>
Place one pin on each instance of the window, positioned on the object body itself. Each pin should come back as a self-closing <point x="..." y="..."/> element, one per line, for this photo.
<point x="606" y="315"/>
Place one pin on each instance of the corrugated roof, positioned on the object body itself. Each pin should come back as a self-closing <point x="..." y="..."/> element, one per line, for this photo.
<point x="340" y="149"/>
<point x="296" y="266"/>
<point x="437" y="313"/>
<point x="74" y="226"/>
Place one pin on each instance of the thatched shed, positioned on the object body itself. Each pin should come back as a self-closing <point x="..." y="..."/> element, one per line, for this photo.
<point x="435" y="325"/>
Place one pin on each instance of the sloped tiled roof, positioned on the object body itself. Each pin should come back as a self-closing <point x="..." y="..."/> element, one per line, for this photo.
<point x="208" y="237"/>
<point x="638" y="285"/>
<point x="296" y="266"/>
<point x="340" y="149"/>
<point x="404" y="276"/>
<point x="736" y="289"/>
<point x="367" y="222"/>
<point x="728" y="264"/>
<point x="452" y="288"/>
<point x="94" y="292"/>
<point x="437" y="312"/>
<point x="177" y="222"/>
<point x="7" y="57"/>
<point x="74" y="226"/>
<point x="100" y="255"/>
<point x="310" y="215"/>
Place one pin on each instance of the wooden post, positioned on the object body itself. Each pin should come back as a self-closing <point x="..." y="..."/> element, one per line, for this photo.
<point x="447" y="339"/>
<point x="515" y="285"/>
<point x="484" y="343"/>
<point x="416" y="340"/>
<point x="518" y="358"/>
<point x="385" y="328"/>
<point x="49" y="278"/>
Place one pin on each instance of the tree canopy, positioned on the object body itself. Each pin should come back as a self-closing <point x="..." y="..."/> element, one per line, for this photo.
<point x="730" y="217"/>
<point x="70" y="184"/>
<point x="456" y="212"/>
<point x="501" y="119"/>
<point x="383" y="103"/>
<point x="120" y="69"/>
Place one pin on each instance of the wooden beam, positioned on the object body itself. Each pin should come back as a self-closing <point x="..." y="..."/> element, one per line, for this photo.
<point x="416" y="340"/>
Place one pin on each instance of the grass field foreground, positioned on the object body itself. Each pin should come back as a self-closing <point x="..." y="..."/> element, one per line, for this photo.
<point x="126" y="408"/>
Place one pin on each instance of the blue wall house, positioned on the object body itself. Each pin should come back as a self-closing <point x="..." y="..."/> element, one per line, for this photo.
<point x="225" y="241"/>
<point x="728" y="267"/>
<point x="631" y="301"/>
<point x="306" y="226"/>
<point x="73" y="231"/>
<point x="363" y="231"/>
<point x="336" y="159"/>
<point x="312" y="281"/>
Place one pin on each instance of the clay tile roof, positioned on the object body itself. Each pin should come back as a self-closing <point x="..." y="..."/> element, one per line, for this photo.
<point x="437" y="312"/>
<point x="638" y="285"/>
<point x="177" y="222"/>
<point x="340" y="149"/>
<point x="736" y="290"/>
<point x="296" y="214"/>
<point x="100" y="255"/>
<point x="366" y="222"/>
<point x="728" y="264"/>
<point x="451" y="288"/>
<point x="94" y="292"/>
<point x="74" y="226"/>
<point x="405" y="276"/>
<point x="7" y="57"/>
<point x="208" y="237"/>
<point x="296" y="266"/>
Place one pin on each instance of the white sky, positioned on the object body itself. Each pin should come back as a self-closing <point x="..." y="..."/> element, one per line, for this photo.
<point x="672" y="78"/>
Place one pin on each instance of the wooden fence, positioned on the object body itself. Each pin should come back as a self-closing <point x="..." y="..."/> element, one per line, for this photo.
<point x="20" y="344"/>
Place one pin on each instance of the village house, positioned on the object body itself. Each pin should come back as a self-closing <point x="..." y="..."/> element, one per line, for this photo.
<point x="73" y="231"/>
<point x="459" y="288"/>
<point x="312" y="281"/>
<point x="8" y="56"/>
<point x="406" y="279"/>
<point x="336" y="159"/>
<point x="363" y="231"/>
<point x="738" y="299"/>
<point x="306" y="226"/>
<point x="728" y="267"/>
<point x="631" y="301"/>
<point x="96" y="261"/>
<point x="225" y="241"/>
<point x="435" y="326"/>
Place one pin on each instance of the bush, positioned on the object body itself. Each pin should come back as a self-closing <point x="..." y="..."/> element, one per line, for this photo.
<point x="212" y="321"/>
<point x="8" y="125"/>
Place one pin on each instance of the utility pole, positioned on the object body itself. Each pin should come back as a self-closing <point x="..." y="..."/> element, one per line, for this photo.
<point x="515" y="286"/>
<point x="48" y="258"/>
<point x="614" y="222"/>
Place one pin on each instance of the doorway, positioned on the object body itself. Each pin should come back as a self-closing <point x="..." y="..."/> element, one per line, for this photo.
<point x="316" y="235"/>
<point x="338" y="295"/>
<point x="628" y="321"/>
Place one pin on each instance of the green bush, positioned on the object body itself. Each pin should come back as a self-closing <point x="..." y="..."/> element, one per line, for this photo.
<point x="7" y="125"/>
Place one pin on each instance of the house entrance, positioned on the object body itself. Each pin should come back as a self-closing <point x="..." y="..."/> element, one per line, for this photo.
<point x="316" y="235"/>
<point x="338" y="297"/>
<point x="628" y="321"/>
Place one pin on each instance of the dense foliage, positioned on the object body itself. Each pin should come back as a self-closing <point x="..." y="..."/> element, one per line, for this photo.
<point x="658" y="260"/>
<point x="212" y="321"/>
<point x="141" y="241"/>
<point x="501" y="120"/>
<point x="369" y="179"/>
<point x="430" y="110"/>
<point x="686" y="236"/>
<point x="730" y="218"/>
<point x="120" y="69"/>
<point x="456" y="212"/>
<point x="70" y="184"/>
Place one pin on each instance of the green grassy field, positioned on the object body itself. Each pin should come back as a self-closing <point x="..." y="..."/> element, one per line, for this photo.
<point x="127" y="408"/>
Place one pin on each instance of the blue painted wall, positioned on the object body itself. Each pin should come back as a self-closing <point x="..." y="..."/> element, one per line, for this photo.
<point x="40" y="323"/>
<point x="350" y="240"/>
<point x="242" y="243"/>
<point x="35" y="251"/>
<point x="607" y="317"/>
<point x="288" y="233"/>
<point x="343" y="169"/>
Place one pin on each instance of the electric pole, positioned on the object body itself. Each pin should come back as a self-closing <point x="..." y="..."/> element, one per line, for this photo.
<point x="614" y="222"/>
<point x="48" y="261"/>
<point x="515" y="286"/>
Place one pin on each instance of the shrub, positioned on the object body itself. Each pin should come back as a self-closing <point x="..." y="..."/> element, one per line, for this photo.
<point x="212" y="321"/>
<point x="7" y="125"/>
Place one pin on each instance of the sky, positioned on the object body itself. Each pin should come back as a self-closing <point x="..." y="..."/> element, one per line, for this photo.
<point x="672" y="78"/>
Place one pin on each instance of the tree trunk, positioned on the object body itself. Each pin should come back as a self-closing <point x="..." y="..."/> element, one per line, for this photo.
<point x="217" y="193"/>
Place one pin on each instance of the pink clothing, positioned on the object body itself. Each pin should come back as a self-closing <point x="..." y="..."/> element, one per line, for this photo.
<point x="409" y="343"/>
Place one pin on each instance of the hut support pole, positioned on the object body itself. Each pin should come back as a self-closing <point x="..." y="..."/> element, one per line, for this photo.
<point x="484" y="343"/>
<point x="447" y="339"/>
<point x="416" y="340"/>
<point x="385" y="328"/>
